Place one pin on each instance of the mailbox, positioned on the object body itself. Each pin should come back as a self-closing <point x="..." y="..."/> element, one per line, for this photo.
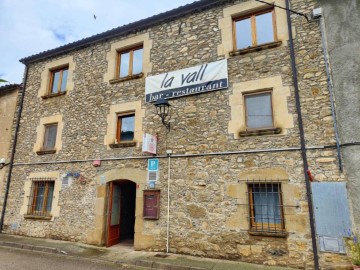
<point x="151" y="204"/>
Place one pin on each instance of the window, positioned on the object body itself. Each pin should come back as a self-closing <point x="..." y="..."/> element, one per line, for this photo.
<point x="125" y="127"/>
<point x="130" y="62"/>
<point x="58" y="81"/>
<point x="41" y="197"/>
<point x="258" y="110"/>
<point x="266" y="209"/>
<point x="50" y="137"/>
<point x="253" y="30"/>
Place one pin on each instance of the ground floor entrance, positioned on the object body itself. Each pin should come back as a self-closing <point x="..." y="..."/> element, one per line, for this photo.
<point x="121" y="212"/>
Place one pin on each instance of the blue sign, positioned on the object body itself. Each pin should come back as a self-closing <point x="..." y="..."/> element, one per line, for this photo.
<point x="153" y="165"/>
<point x="152" y="184"/>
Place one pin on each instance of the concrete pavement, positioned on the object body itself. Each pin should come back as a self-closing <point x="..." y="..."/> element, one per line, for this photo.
<point x="121" y="256"/>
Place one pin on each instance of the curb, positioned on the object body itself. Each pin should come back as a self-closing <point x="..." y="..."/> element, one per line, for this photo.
<point x="164" y="266"/>
<point x="32" y="247"/>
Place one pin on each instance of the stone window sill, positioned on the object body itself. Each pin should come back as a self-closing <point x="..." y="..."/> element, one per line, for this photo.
<point x="256" y="48"/>
<point x="123" y="144"/>
<point x="259" y="132"/>
<point x="37" y="217"/>
<point x="53" y="95"/>
<point x="128" y="78"/>
<point x="45" y="152"/>
<point x="269" y="234"/>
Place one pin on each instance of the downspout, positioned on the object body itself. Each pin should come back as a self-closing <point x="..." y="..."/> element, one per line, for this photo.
<point x="302" y="139"/>
<point x="11" y="164"/>
<point x="331" y="92"/>
<point x="168" y="208"/>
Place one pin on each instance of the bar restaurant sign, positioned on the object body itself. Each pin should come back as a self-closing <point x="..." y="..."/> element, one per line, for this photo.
<point x="195" y="80"/>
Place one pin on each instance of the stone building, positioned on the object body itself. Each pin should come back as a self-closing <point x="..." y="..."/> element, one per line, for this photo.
<point x="8" y="104"/>
<point x="342" y="35"/>
<point x="231" y="178"/>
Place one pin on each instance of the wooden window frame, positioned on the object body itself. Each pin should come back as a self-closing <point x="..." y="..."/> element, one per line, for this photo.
<point x="46" y="126"/>
<point x="252" y="18"/>
<point x="119" y="124"/>
<point x="32" y="209"/>
<point x="265" y="227"/>
<point x="254" y="93"/>
<point x="157" y="195"/>
<point x="131" y="61"/>
<point x="52" y="75"/>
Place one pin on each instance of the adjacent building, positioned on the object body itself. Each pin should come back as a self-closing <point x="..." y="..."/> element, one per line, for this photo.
<point x="8" y="108"/>
<point x="228" y="179"/>
<point x="342" y="39"/>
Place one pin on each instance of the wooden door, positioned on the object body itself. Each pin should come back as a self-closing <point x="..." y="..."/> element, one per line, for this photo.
<point x="113" y="222"/>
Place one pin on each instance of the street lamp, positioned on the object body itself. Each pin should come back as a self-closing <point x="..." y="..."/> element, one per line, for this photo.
<point x="163" y="110"/>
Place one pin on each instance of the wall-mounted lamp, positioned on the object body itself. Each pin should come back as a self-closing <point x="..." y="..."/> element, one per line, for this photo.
<point x="163" y="110"/>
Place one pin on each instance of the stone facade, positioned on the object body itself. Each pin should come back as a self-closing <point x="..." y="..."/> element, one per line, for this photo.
<point x="211" y="164"/>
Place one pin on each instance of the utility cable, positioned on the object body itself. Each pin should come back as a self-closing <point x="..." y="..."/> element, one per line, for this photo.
<point x="293" y="11"/>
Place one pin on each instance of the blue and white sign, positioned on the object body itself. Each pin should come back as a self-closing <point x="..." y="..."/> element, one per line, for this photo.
<point x="153" y="164"/>
<point x="195" y="80"/>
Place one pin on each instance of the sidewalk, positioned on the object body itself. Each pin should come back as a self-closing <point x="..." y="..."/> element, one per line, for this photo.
<point x="125" y="256"/>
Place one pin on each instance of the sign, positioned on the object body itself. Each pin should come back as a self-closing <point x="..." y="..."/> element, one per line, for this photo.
<point x="149" y="144"/>
<point x="153" y="164"/>
<point x="200" y="79"/>
<point x="153" y="170"/>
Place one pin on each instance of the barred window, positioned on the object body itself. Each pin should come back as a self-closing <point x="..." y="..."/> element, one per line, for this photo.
<point x="41" y="197"/>
<point x="266" y="208"/>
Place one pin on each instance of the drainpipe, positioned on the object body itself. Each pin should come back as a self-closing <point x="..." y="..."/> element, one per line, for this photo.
<point x="168" y="208"/>
<point x="331" y="92"/>
<point x="11" y="164"/>
<point x="302" y="139"/>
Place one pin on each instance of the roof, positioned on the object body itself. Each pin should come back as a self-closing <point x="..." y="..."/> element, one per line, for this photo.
<point x="126" y="29"/>
<point x="9" y="87"/>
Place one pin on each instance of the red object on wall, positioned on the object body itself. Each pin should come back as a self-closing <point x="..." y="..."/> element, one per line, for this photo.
<point x="96" y="163"/>
<point x="311" y="178"/>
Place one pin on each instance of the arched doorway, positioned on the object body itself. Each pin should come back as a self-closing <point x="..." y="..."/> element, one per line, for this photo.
<point x="121" y="212"/>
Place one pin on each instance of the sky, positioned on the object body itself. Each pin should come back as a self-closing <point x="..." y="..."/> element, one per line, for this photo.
<point x="28" y="27"/>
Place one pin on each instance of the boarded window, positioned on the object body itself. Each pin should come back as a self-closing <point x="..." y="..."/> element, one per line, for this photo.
<point x="266" y="209"/>
<point x="50" y="137"/>
<point x="255" y="29"/>
<point x="258" y="109"/>
<point x="41" y="197"/>
<point x="125" y="127"/>
<point x="130" y="62"/>
<point x="58" y="80"/>
<point x="151" y="204"/>
<point x="331" y="215"/>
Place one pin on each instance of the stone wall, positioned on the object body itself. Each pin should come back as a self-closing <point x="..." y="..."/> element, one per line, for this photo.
<point x="209" y="205"/>
<point x="8" y="105"/>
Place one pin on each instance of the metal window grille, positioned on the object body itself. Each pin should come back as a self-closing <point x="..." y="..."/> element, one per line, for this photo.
<point x="41" y="197"/>
<point x="266" y="207"/>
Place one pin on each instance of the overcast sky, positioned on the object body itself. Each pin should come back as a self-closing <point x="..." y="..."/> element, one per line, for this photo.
<point x="28" y="27"/>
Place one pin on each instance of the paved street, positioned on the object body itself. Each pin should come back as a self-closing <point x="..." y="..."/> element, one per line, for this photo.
<point x="17" y="259"/>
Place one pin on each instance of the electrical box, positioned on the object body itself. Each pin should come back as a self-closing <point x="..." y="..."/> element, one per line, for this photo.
<point x="317" y="13"/>
<point x="151" y="204"/>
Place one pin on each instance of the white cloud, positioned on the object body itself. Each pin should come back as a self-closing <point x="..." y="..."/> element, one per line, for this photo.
<point x="29" y="27"/>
